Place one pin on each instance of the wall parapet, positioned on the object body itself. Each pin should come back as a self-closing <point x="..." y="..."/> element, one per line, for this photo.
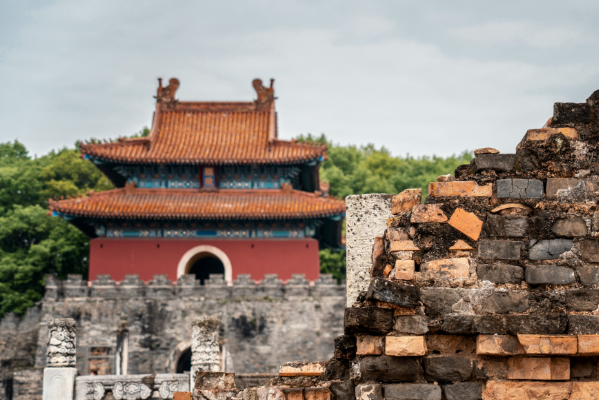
<point x="126" y="386"/>
<point x="160" y="287"/>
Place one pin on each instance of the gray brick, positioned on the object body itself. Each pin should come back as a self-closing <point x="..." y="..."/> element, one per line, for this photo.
<point x="412" y="391"/>
<point x="548" y="249"/>
<point x="537" y="324"/>
<point x="506" y="302"/>
<point x="583" y="324"/>
<point x="464" y="391"/>
<point x="496" y="162"/>
<point x="589" y="275"/>
<point x="439" y="301"/>
<point x="499" y="249"/>
<point x="413" y="324"/>
<point x="582" y="300"/>
<point x="447" y="369"/>
<point x="506" y="225"/>
<point x="573" y="227"/>
<point x="519" y="189"/>
<point x="500" y="273"/>
<point x="395" y="293"/>
<point x="549" y="275"/>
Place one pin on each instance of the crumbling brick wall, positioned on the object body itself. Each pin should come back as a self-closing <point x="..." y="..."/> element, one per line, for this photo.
<point x="490" y="288"/>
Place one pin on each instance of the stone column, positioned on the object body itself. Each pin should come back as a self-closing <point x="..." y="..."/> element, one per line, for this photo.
<point x="60" y="371"/>
<point x="122" y="347"/>
<point x="366" y="217"/>
<point x="205" y="352"/>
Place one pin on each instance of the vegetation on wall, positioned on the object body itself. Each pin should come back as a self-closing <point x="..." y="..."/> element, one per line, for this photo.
<point x="33" y="243"/>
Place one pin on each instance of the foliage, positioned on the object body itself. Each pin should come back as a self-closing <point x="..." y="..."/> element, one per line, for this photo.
<point x="366" y="169"/>
<point x="33" y="243"/>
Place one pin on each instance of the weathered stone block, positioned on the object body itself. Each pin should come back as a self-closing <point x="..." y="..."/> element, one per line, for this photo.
<point x="588" y="274"/>
<point x="450" y="268"/>
<point x="404" y="269"/>
<point x="467" y="223"/>
<point x="463" y="391"/>
<point x="369" y="392"/>
<point x="459" y="189"/>
<point x="549" y="275"/>
<point x="293" y="393"/>
<point x="506" y="302"/>
<point x="394" y="293"/>
<point x="447" y="369"/>
<point x="589" y="250"/>
<point x="412" y="391"/>
<point x="546" y="133"/>
<point x="458" y="324"/>
<point x="588" y="345"/>
<point x="581" y="367"/>
<point x="490" y="324"/>
<point x="583" y="324"/>
<point x="582" y="300"/>
<point x="370" y="345"/>
<point x="368" y="320"/>
<point x="496" y="162"/>
<point x="500" y="273"/>
<point x="423" y="213"/>
<point x="345" y="347"/>
<point x="555" y="184"/>
<point x="59" y="383"/>
<point x="546" y="324"/>
<point x="571" y="113"/>
<point x="544" y="344"/>
<point x="573" y="227"/>
<point x="519" y="189"/>
<point x="539" y="368"/>
<point x="506" y="225"/>
<point x="342" y="390"/>
<point x="498" y="345"/>
<point x="439" y="301"/>
<point x="215" y="381"/>
<point x="499" y="249"/>
<point x="406" y="200"/>
<point x="388" y="368"/>
<point x="548" y="249"/>
<point x="413" y="324"/>
<point x="405" y="346"/>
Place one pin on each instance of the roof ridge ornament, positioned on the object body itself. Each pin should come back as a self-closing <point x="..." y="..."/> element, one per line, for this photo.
<point x="266" y="95"/>
<point x="166" y="94"/>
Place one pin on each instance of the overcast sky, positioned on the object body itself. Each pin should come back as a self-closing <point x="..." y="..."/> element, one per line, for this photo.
<point x="419" y="77"/>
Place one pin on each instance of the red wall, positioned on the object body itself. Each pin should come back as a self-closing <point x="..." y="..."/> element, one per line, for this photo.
<point x="147" y="257"/>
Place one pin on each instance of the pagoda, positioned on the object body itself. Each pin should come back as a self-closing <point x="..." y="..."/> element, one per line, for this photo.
<point x="211" y="190"/>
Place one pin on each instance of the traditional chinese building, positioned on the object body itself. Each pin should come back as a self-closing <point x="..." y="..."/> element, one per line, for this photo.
<point x="210" y="190"/>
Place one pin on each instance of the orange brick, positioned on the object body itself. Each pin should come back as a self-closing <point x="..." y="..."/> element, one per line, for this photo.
<point x="404" y="269"/>
<point x="317" y="394"/>
<point x="406" y="200"/>
<point x="449" y="268"/>
<point x="548" y="344"/>
<point x="294" y="394"/>
<point x="467" y="223"/>
<point x="461" y="245"/>
<point x="388" y="269"/>
<point x="378" y="247"/>
<point x="403" y="245"/>
<point x="539" y="368"/>
<point x="546" y="133"/>
<point x="405" y="346"/>
<point x="423" y="213"/>
<point x="588" y="345"/>
<point x="498" y="345"/>
<point x="459" y="189"/>
<point x="182" y="396"/>
<point x="370" y="345"/>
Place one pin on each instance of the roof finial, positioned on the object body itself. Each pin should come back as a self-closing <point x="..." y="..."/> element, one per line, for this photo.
<point x="167" y="94"/>
<point x="265" y="95"/>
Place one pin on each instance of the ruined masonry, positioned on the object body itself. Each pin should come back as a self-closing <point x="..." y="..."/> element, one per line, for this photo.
<point x="487" y="290"/>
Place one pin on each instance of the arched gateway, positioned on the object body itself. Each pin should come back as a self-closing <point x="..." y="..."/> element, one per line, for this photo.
<point x="205" y="260"/>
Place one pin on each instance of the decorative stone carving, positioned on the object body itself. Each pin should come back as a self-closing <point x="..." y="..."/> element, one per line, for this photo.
<point x="205" y="353"/>
<point x="62" y="340"/>
<point x="167" y="389"/>
<point x="131" y="391"/>
<point x="95" y="391"/>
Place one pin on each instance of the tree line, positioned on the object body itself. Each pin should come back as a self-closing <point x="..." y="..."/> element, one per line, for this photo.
<point x="34" y="243"/>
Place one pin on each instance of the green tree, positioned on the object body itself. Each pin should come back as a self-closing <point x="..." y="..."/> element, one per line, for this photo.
<point x="366" y="169"/>
<point x="33" y="243"/>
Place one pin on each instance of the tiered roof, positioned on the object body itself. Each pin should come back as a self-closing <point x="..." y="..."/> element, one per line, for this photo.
<point x="129" y="203"/>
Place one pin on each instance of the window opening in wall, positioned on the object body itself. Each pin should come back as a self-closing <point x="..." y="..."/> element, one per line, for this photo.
<point x="100" y="360"/>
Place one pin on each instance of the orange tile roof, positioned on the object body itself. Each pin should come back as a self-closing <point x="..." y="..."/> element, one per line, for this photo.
<point x="209" y="133"/>
<point x="132" y="202"/>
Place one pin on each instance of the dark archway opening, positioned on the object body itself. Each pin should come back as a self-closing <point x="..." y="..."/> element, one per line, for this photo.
<point x="184" y="362"/>
<point x="205" y="266"/>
